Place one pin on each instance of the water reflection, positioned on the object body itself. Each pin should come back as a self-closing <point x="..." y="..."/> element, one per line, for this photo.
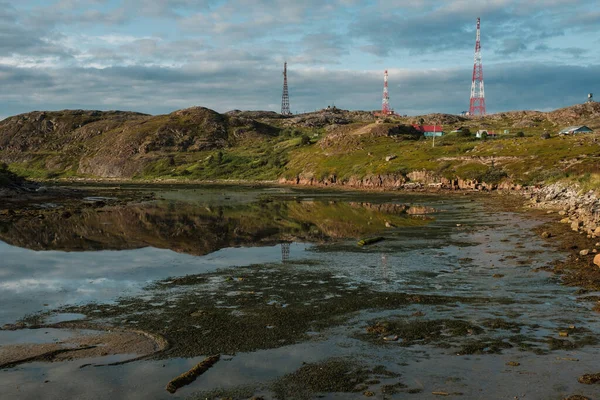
<point x="285" y="252"/>
<point x="199" y="229"/>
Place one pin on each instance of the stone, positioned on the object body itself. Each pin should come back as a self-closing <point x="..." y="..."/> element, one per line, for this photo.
<point x="584" y="252"/>
<point x="546" y="235"/>
<point x="575" y="225"/>
<point x="562" y="213"/>
<point x="597" y="260"/>
<point x="565" y="221"/>
<point x="513" y="364"/>
<point x="390" y="158"/>
<point x="589" y="379"/>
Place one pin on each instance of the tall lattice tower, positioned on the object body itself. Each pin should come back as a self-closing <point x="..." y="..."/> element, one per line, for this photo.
<point x="285" y="98"/>
<point x="385" y="104"/>
<point x="477" y="106"/>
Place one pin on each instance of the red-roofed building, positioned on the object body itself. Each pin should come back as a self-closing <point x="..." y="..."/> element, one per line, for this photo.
<point x="430" y="130"/>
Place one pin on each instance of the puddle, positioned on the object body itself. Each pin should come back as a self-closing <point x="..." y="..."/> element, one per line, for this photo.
<point x="63" y="317"/>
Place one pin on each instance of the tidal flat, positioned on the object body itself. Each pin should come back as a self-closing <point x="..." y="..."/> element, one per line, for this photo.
<point x="116" y="294"/>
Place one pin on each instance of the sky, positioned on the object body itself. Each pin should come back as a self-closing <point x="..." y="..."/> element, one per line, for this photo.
<point x="162" y="55"/>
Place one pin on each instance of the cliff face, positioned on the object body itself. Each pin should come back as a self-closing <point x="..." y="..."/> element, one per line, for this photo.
<point x="414" y="180"/>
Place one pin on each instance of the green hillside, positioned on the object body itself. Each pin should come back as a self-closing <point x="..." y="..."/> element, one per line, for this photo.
<point x="325" y="147"/>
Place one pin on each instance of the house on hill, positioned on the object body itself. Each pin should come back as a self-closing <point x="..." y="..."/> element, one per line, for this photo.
<point x="571" y="130"/>
<point x="460" y="129"/>
<point x="484" y="133"/>
<point x="430" y="130"/>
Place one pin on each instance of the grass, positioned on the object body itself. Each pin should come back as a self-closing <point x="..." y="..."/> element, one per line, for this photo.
<point x="202" y="145"/>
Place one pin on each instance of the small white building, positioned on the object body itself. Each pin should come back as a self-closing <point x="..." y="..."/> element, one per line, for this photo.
<point x="571" y="130"/>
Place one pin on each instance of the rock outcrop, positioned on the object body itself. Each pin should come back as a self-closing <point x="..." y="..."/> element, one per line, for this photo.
<point x="580" y="210"/>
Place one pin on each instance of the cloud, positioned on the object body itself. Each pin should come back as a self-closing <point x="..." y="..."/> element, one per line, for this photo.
<point x="161" y="90"/>
<point x="167" y="54"/>
<point x="508" y="26"/>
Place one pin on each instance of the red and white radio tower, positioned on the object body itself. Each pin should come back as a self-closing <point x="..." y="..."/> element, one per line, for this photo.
<point x="385" y="104"/>
<point x="477" y="106"/>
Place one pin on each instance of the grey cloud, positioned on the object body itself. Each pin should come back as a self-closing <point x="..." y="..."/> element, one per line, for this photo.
<point x="166" y="8"/>
<point x="451" y="26"/>
<point x="21" y="38"/>
<point x="511" y="46"/>
<point x="161" y="90"/>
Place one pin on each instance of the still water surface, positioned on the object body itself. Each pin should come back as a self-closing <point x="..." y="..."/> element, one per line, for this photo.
<point x="450" y="246"/>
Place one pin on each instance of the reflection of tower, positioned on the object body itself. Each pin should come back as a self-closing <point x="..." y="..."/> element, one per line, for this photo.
<point x="285" y="252"/>
<point x="384" y="268"/>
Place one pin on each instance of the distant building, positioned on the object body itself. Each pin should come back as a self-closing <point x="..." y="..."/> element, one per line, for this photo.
<point x="484" y="132"/>
<point x="430" y="130"/>
<point x="571" y="130"/>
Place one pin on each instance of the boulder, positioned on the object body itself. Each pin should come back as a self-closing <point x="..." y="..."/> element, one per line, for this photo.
<point x="546" y="235"/>
<point x="597" y="260"/>
<point x="584" y="252"/>
<point x="575" y="225"/>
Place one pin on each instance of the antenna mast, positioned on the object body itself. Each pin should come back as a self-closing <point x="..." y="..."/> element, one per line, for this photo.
<point x="477" y="106"/>
<point x="285" y="98"/>
<point x="385" y="104"/>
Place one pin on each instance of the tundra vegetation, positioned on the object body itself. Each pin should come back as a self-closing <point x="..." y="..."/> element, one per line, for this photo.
<point x="199" y="144"/>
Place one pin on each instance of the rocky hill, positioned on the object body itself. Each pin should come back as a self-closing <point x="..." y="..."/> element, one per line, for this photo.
<point x="116" y="143"/>
<point x="199" y="143"/>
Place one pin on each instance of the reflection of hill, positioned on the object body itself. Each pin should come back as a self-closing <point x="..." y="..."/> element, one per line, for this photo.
<point x="200" y="230"/>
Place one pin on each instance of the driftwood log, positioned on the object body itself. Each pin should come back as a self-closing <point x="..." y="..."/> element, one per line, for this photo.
<point x="190" y="376"/>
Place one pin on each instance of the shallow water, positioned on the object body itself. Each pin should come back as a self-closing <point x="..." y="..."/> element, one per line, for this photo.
<point x="486" y="267"/>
